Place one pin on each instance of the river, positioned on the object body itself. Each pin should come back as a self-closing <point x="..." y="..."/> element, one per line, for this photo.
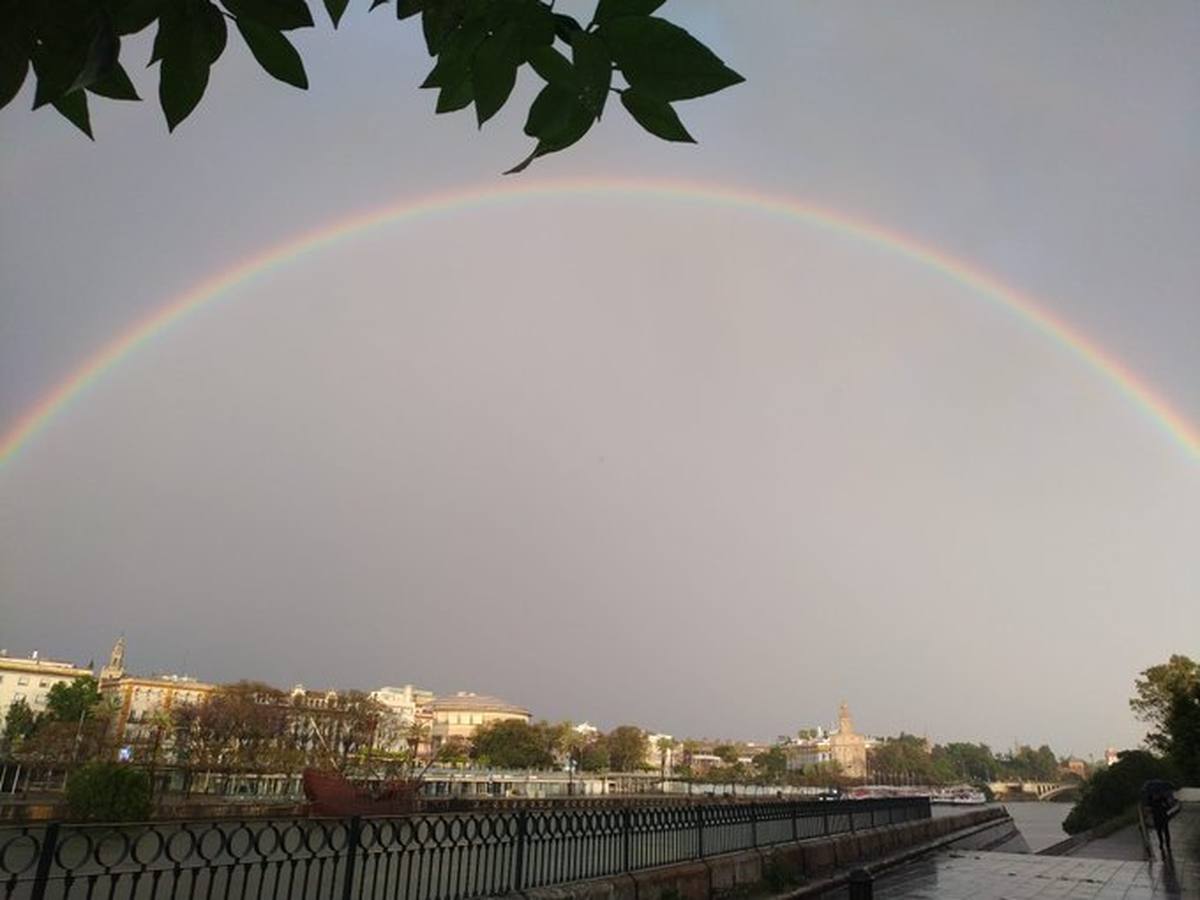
<point x="1040" y="823"/>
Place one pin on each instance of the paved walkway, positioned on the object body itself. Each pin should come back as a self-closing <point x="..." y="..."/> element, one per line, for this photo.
<point x="977" y="875"/>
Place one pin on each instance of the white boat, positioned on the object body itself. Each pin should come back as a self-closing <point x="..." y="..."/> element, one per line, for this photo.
<point x="958" y="797"/>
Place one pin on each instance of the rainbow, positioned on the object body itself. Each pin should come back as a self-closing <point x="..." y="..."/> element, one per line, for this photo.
<point x="54" y="403"/>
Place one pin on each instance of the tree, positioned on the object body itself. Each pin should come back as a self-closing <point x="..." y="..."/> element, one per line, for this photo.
<point x="109" y="792"/>
<point x="1155" y="692"/>
<point x="1182" y="729"/>
<point x="19" y="722"/>
<point x="771" y="765"/>
<point x="514" y="744"/>
<point x="73" y="702"/>
<point x="593" y="755"/>
<point x="905" y="758"/>
<point x="627" y="747"/>
<point x="1113" y="791"/>
<point x="455" y="751"/>
<point x="74" y="48"/>
<point x="727" y="753"/>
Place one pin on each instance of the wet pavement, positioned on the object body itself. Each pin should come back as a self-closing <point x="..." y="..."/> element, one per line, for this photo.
<point x="1113" y="868"/>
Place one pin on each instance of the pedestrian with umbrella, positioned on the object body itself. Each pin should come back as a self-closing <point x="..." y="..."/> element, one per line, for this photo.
<point x="1158" y="795"/>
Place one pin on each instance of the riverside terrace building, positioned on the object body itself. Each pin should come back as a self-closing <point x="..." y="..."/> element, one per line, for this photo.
<point x="30" y="679"/>
<point x="460" y="715"/>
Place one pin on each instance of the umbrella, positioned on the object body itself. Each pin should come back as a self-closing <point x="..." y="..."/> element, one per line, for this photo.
<point x="1156" y="787"/>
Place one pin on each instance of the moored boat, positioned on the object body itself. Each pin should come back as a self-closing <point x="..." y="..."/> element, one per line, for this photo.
<point x="332" y="794"/>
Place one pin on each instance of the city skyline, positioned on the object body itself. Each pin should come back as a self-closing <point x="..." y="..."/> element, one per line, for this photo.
<point x="834" y="721"/>
<point x="656" y="459"/>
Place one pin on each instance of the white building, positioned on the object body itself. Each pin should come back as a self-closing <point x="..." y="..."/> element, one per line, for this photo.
<point x="30" y="679"/>
<point x="661" y="752"/>
<point x="405" y="702"/>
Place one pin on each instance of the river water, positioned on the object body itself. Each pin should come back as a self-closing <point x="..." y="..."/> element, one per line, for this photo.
<point x="1040" y="823"/>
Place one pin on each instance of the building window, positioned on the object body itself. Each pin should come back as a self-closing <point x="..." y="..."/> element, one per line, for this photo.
<point x="43" y="683"/>
<point x="22" y="680"/>
<point x="18" y="696"/>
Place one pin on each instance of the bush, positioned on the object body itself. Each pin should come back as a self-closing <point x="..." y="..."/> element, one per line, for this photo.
<point x="108" y="792"/>
<point x="1112" y="791"/>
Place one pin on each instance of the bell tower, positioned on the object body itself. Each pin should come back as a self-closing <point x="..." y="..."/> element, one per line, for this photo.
<point x="116" y="662"/>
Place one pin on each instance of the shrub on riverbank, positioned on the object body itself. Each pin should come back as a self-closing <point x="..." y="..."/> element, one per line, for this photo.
<point x="1111" y="792"/>
<point x="108" y="792"/>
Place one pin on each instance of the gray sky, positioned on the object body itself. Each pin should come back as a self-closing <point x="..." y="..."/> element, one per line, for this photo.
<point x="697" y="469"/>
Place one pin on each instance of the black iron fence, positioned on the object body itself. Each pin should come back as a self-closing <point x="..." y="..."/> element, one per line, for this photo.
<point x="448" y="856"/>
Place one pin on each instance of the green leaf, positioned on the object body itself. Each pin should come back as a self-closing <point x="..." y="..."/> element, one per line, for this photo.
<point x="656" y="116"/>
<point x="13" y="69"/>
<point x="455" y="97"/>
<point x="274" y="52"/>
<point x="554" y="68"/>
<point x="132" y="16"/>
<point x="74" y="108"/>
<point x="595" y="69"/>
<point x="336" y="8"/>
<point x="116" y="85"/>
<point x="557" y="119"/>
<point x="611" y="9"/>
<point x="494" y="71"/>
<point x="662" y="60"/>
<point x="454" y="61"/>
<point x="16" y="42"/>
<point x="55" y="67"/>
<point x="102" y="55"/>
<point x="565" y="26"/>
<point x="191" y="35"/>
<point x="439" y="19"/>
<point x="280" y="15"/>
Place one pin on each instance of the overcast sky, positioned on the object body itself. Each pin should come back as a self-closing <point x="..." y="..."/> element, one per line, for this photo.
<point x="630" y="460"/>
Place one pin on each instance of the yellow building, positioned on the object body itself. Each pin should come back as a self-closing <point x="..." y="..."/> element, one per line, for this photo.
<point x="460" y="715"/>
<point x="144" y="702"/>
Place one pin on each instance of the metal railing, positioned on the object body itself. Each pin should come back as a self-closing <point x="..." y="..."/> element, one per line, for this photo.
<point x="450" y="856"/>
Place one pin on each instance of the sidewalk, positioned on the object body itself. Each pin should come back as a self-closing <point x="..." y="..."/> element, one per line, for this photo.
<point x="958" y="875"/>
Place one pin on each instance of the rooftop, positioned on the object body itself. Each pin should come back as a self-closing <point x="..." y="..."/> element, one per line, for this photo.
<point x="466" y="700"/>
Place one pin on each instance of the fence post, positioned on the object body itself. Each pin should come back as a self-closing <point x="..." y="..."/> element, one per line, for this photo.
<point x="519" y="861"/>
<point x="625" y="829"/>
<point x="795" y="835"/>
<point x="700" y="831"/>
<point x="353" y="832"/>
<point x="851" y="811"/>
<point x="45" y="858"/>
<point x="754" y="824"/>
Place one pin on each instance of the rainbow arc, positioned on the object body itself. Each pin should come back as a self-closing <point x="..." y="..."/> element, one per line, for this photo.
<point x="21" y="432"/>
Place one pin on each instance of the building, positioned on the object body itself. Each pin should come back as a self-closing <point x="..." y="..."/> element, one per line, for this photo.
<point x="404" y="702"/>
<point x="842" y="746"/>
<point x="31" y="679"/>
<point x="848" y="749"/>
<point x="143" y="703"/>
<point x="460" y="715"/>
<point x="1076" y="766"/>
<point x="661" y="753"/>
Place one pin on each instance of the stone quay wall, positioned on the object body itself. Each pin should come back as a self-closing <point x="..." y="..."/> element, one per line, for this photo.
<point x="800" y="869"/>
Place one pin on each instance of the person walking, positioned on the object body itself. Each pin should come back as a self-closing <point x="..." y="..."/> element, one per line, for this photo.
<point x="1160" y="813"/>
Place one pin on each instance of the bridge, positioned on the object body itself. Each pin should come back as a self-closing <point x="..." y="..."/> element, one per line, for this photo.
<point x="1041" y="790"/>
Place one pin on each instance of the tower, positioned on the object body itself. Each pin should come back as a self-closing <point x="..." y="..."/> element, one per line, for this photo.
<point x="116" y="662"/>
<point x="845" y="725"/>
